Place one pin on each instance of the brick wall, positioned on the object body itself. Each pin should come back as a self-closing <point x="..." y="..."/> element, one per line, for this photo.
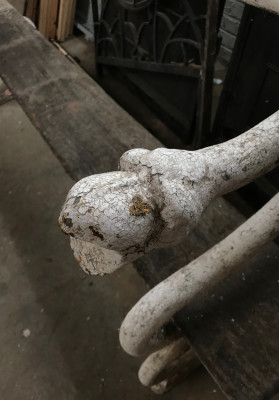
<point x="229" y="27"/>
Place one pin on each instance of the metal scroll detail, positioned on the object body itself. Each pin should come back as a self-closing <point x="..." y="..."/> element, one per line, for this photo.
<point x="152" y="35"/>
<point x="134" y="4"/>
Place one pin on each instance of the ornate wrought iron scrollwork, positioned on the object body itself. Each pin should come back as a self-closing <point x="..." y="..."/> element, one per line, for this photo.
<point x="134" y="4"/>
<point x="153" y="35"/>
<point x="176" y="37"/>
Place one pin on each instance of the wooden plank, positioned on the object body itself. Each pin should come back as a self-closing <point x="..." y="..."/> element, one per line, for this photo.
<point x="52" y="18"/>
<point x="68" y="17"/>
<point x="31" y="10"/>
<point x="43" y="17"/>
<point x="62" y="20"/>
<point x="71" y="19"/>
<point x="84" y="126"/>
<point x="48" y="18"/>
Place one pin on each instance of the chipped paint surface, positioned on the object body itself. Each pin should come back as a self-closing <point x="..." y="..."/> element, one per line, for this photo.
<point x="158" y="196"/>
<point x="88" y="256"/>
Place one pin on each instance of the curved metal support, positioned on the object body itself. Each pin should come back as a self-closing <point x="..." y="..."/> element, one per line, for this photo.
<point x="162" y="302"/>
<point x="158" y="196"/>
<point x="157" y="362"/>
<point x="177" y="372"/>
<point x="166" y="367"/>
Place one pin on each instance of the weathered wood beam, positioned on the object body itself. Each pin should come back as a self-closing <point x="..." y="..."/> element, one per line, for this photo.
<point x="85" y="127"/>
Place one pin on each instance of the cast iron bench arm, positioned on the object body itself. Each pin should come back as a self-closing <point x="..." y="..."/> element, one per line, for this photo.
<point x="158" y="196"/>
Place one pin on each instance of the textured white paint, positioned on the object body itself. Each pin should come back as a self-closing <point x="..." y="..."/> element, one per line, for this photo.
<point x="269" y="5"/>
<point x="88" y="256"/>
<point x="158" y="196"/>
<point x="162" y="302"/>
<point x="163" y="369"/>
<point x="179" y="370"/>
<point x="157" y="362"/>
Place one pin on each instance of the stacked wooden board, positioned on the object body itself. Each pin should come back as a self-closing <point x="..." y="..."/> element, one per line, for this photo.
<point x="54" y="18"/>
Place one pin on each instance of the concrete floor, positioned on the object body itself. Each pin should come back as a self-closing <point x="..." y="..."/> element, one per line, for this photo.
<point x="59" y="327"/>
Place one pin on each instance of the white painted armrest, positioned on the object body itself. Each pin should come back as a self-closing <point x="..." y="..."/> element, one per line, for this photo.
<point x="158" y="196"/>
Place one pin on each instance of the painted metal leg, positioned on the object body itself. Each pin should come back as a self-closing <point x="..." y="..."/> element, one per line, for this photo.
<point x="157" y="362"/>
<point x="177" y="372"/>
<point x="162" y="302"/>
<point x="166" y="367"/>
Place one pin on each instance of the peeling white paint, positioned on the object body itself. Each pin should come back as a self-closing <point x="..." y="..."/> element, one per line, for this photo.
<point x="158" y="196"/>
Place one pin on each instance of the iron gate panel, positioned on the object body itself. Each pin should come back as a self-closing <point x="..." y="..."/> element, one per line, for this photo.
<point x="176" y="38"/>
<point x="176" y="44"/>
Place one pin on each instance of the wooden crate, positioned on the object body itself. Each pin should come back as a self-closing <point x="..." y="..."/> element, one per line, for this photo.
<point x="55" y="18"/>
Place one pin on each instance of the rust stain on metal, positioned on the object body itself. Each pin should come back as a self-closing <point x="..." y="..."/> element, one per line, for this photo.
<point x="139" y="207"/>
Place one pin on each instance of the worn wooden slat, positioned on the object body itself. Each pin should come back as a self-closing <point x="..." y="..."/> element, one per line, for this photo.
<point x="68" y="14"/>
<point x="86" y="128"/>
<point x="43" y="17"/>
<point x="48" y="18"/>
<point x="31" y="10"/>
<point x="64" y="19"/>
<point x="61" y="19"/>
<point x="71" y="17"/>
<point x="52" y="18"/>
